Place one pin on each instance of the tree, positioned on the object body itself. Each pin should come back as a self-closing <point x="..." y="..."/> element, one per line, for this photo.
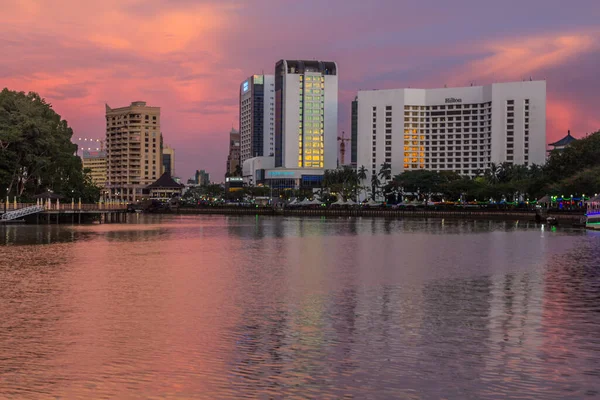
<point x="362" y="173"/>
<point x="423" y="183"/>
<point x="342" y="180"/>
<point x="361" y="176"/>
<point x="36" y="152"/>
<point x="385" y="171"/>
<point x="238" y="171"/>
<point x="374" y="186"/>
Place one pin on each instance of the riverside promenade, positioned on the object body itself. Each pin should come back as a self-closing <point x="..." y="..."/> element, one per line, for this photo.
<point x="568" y="218"/>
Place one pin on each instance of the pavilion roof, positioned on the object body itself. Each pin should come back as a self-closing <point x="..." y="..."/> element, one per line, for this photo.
<point x="564" y="141"/>
<point x="165" y="182"/>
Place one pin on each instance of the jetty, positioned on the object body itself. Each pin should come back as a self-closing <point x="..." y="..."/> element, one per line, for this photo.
<point x="56" y="212"/>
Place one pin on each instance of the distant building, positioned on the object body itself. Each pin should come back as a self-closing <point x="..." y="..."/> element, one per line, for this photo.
<point x="164" y="188"/>
<point x="95" y="162"/>
<point x="354" y="133"/>
<point x="168" y="160"/>
<point x="133" y="150"/>
<point x="461" y="129"/>
<point x="202" y="178"/>
<point x="257" y="117"/>
<point x="562" y="143"/>
<point x="233" y="159"/>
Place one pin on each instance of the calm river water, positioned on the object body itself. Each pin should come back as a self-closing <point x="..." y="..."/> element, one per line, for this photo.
<point x="260" y="307"/>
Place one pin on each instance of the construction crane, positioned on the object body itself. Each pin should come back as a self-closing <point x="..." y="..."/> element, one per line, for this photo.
<point x="343" y="141"/>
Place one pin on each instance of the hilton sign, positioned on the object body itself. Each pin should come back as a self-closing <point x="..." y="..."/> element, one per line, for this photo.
<point x="453" y="100"/>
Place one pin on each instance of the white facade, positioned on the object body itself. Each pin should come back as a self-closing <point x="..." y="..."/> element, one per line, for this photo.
<point x="306" y="97"/>
<point x="257" y="117"/>
<point x="251" y="166"/>
<point x="452" y="129"/>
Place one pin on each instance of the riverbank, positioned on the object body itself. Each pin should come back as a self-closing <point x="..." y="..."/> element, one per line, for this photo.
<point x="566" y="218"/>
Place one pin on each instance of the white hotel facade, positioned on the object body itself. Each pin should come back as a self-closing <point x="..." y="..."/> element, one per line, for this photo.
<point x="452" y="129"/>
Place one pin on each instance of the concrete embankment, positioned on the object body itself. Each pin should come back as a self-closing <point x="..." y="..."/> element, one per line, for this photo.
<point x="566" y="218"/>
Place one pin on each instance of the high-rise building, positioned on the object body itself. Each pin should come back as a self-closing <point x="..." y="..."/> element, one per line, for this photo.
<point x="168" y="160"/>
<point x="133" y="150"/>
<point x="354" y="133"/>
<point x="306" y="109"/>
<point x="257" y="117"/>
<point x="233" y="159"/>
<point x="452" y="129"/>
<point x="202" y="178"/>
<point x="95" y="162"/>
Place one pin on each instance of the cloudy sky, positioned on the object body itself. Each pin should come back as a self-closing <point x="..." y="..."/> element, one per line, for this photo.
<point x="189" y="56"/>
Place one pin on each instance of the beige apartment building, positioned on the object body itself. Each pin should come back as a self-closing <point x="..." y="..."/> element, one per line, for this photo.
<point x="95" y="162"/>
<point x="133" y="150"/>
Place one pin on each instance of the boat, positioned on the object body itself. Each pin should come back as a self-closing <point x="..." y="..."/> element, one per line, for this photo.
<point x="592" y="215"/>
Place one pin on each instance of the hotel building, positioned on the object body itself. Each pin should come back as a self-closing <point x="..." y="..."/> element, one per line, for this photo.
<point x="306" y="110"/>
<point x="257" y="117"/>
<point x="451" y="129"/>
<point x="133" y="150"/>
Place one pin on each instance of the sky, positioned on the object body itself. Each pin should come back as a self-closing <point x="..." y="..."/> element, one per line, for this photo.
<point x="190" y="56"/>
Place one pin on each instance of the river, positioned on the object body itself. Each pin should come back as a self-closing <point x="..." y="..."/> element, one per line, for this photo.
<point x="215" y="307"/>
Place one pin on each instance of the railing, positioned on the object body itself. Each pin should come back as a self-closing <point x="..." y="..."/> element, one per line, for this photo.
<point x="64" y="206"/>
<point x="23" y="212"/>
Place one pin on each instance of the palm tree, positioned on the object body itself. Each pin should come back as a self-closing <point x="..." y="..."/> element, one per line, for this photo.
<point x="491" y="174"/>
<point x="385" y="172"/>
<point x="362" y="173"/>
<point x="374" y="185"/>
<point x="361" y="176"/>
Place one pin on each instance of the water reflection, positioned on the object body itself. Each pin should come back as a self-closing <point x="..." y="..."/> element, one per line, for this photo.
<point x="247" y="307"/>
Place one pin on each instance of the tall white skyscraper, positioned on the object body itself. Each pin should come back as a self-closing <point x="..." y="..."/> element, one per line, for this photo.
<point x="306" y="113"/>
<point x="257" y="117"/>
<point x="452" y="129"/>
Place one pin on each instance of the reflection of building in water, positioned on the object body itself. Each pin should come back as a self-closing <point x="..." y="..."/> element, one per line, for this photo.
<point x="455" y="333"/>
<point x="570" y="321"/>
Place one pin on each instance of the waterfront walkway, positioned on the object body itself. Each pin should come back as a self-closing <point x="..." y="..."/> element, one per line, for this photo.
<point x="563" y="217"/>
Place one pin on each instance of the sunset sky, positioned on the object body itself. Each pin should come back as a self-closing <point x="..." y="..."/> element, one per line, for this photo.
<point x="190" y="56"/>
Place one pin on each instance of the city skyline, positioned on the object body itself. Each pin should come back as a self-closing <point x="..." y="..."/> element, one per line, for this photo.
<point x="80" y="56"/>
